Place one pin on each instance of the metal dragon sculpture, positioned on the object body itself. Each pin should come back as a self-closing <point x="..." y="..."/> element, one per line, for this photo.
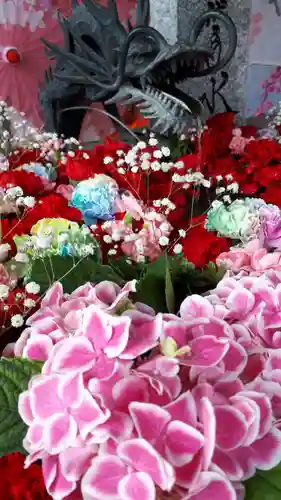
<point x="103" y="61"/>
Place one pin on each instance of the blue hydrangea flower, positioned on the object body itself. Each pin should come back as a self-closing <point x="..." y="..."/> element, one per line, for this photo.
<point x="95" y="198"/>
<point x="40" y="170"/>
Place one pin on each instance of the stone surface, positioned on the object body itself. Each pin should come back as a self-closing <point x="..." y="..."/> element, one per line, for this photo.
<point x="164" y="18"/>
<point x="173" y="18"/>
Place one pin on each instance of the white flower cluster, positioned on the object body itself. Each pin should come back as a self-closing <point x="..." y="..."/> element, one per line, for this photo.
<point x="137" y="159"/>
<point x="15" y="195"/>
<point x="192" y="178"/>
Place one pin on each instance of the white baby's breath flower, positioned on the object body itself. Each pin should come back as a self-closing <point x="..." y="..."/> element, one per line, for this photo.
<point x="182" y="233"/>
<point x="156" y="166"/>
<point x="17" y="321"/>
<point x="153" y="141"/>
<point x="107" y="160"/>
<point x="177" y="248"/>
<point x="32" y="287"/>
<point x="85" y="156"/>
<point x="29" y="201"/>
<point x="14" y="192"/>
<point x="107" y="238"/>
<point x="166" y="151"/>
<point x="29" y="303"/>
<point x="4" y="292"/>
<point x="71" y="154"/>
<point x="163" y="241"/>
<point x="112" y="252"/>
<point x="157" y="154"/>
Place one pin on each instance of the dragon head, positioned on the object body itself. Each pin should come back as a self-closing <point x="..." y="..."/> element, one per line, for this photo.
<point x="103" y="61"/>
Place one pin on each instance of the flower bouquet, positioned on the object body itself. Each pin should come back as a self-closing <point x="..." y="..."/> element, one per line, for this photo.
<point x="140" y="317"/>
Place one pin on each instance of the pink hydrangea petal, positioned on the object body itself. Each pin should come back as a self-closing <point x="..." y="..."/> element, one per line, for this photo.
<point x="208" y="351"/>
<point x="49" y="467"/>
<point x="240" y="301"/>
<point x="102" y="478"/>
<point x="57" y="485"/>
<point x="213" y="486"/>
<point x="53" y="296"/>
<point x="267" y="450"/>
<point x="103" y="368"/>
<point x="35" y="436"/>
<point x="9" y="350"/>
<point x="266" y="415"/>
<point x="118" y="427"/>
<point x="176" y="330"/>
<point x="120" y="336"/>
<point x="149" y="420"/>
<point x="71" y="389"/>
<point x="187" y="475"/>
<point x="44" y="399"/>
<point x="251" y="412"/>
<point x="88" y="415"/>
<point x="183" y="408"/>
<point x="137" y="486"/>
<point x="273" y="361"/>
<point x="24" y="408"/>
<point x="75" y="461"/>
<point x="209" y="431"/>
<point x="196" y="306"/>
<point x="38" y="348"/>
<point x="130" y="287"/>
<point x="168" y="367"/>
<point x="142" y="456"/>
<point x="229" y="388"/>
<point x="96" y="328"/>
<point x="182" y="443"/>
<point x="227" y="418"/>
<point x="20" y="343"/>
<point x="235" y="360"/>
<point x="59" y="433"/>
<point x="228" y="465"/>
<point x="127" y="390"/>
<point x="106" y="292"/>
<point x="143" y="337"/>
<point x="75" y="354"/>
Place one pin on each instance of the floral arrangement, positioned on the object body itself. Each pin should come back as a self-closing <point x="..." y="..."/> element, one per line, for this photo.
<point x="140" y="316"/>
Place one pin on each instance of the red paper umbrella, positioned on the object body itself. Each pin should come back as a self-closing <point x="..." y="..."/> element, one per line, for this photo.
<point x="22" y="55"/>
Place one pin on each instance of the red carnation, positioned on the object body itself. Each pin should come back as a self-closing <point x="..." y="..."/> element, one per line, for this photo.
<point x="263" y="152"/>
<point x="23" y="156"/>
<point x="17" y="483"/>
<point x="30" y="183"/>
<point x="81" y="167"/>
<point x="201" y="247"/>
<point x="273" y="195"/>
<point x="215" y="141"/>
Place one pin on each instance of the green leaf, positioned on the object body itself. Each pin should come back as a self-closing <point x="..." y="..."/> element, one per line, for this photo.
<point x="265" y="485"/>
<point x="169" y="289"/>
<point x="72" y="273"/>
<point x="125" y="269"/>
<point x="151" y="291"/>
<point x="14" y="378"/>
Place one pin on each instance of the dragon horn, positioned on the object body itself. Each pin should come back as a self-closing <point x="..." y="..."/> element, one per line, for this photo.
<point x="142" y="13"/>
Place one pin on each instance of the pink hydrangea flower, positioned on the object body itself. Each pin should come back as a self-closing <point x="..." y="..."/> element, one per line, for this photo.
<point x="238" y="142"/>
<point x="106" y="423"/>
<point x="59" y="316"/>
<point x="253" y="262"/>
